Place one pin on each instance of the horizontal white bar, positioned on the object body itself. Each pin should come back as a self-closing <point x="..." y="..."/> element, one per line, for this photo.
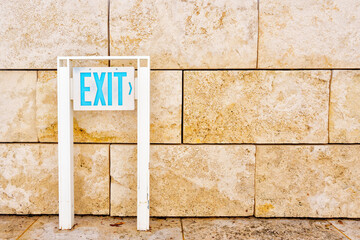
<point x="103" y="57"/>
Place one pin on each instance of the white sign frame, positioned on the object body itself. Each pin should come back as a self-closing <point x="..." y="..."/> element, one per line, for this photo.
<point x="66" y="142"/>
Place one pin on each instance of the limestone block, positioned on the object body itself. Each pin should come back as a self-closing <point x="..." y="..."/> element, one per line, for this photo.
<point x="344" y="125"/>
<point x="46" y="102"/>
<point x="308" y="181"/>
<point x="100" y="227"/>
<point x="115" y="126"/>
<point x="17" y="107"/>
<point x="186" y="34"/>
<point x="35" y="33"/>
<point x="256" y="106"/>
<point x="350" y="228"/>
<point x="186" y="180"/>
<point x="29" y="179"/>
<point x="309" y="34"/>
<point x="11" y="227"/>
<point x="257" y="228"/>
<point x="91" y="180"/>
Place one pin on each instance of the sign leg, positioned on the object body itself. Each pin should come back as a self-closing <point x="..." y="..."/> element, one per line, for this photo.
<point x="143" y="148"/>
<point x="65" y="149"/>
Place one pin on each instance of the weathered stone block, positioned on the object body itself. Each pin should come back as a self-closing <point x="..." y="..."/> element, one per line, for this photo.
<point x="256" y="106"/>
<point x="257" y="228"/>
<point x="46" y="102"/>
<point x="186" y="34"/>
<point x="309" y="34"/>
<point x="17" y="107"/>
<point x="11" y="227"/>
<point x="186" y="180"/>
<point x="350" y="228"/>
<point x="91" y="179"/>
<point x="35" y="33"/>
<point x="100" y="227"/>
<point x="115" y="126"/>
<point x="29" y="179"/>
<point x="344" y="125"/>
<point x="308" y="181"/>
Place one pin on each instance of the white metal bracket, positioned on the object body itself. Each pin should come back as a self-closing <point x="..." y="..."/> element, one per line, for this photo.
<point x="65" y="138"/>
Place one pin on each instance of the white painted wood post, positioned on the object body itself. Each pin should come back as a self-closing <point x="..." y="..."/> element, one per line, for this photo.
<point x="65" y="147"/>
<point x="143" y="147"/>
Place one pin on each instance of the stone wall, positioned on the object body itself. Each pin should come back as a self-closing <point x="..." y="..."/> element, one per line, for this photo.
<point x="255" y="107"/>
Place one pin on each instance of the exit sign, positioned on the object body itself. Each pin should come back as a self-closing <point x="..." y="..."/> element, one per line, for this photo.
<point x="107" y="88"/>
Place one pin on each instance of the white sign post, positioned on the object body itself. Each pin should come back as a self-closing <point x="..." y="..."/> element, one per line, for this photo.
<point x="111" y="88"/>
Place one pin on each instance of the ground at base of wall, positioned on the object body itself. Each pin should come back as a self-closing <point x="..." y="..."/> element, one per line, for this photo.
<point x="105" y="227"/>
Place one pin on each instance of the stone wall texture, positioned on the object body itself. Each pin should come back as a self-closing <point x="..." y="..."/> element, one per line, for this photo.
<point x="255" y="107"/>
<point x="194" y="180"/>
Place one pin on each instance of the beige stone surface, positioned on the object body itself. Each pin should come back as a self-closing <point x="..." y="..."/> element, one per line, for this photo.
<point x="307" y="181"/>
<point x="186" y="34"/>
<point x="351" y="228"/>
<point x="256" y="106"/>
<point x="105" y="227"/>
<point x="344" y="120"/>
<point x="90" y="227"/>
<point x="46" y="102"/>
<point x="17" y="107"/>
<point x="29" y="179"/>
<point x="165" y="106"/>
<point x="35" y="33"/>
<point x="11" y="227"/>
<point x="91" y="179"/>
<point x="186" y="180"/>
<point x="115" y="126"/>
<point x="258" y="229"/>
<point x="309" y="34"/>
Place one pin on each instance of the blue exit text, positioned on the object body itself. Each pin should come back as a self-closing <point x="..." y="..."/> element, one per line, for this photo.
<point x="99" y="81"/>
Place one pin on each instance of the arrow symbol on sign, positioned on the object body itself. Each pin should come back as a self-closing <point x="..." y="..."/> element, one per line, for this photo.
<point x="130" y="88"/>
